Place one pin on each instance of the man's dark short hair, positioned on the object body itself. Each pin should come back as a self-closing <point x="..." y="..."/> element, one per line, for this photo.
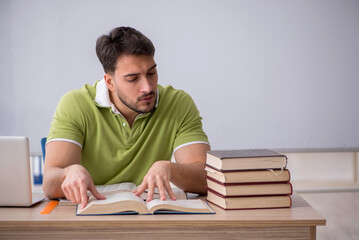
<point x="121" y="41"/>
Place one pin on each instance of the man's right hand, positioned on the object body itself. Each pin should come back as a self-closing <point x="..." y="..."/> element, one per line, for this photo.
<point x="76" y="182"/>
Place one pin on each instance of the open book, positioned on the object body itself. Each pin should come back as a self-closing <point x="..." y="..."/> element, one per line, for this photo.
<point x="121" y="200"/>
<point x="129" y="203"/>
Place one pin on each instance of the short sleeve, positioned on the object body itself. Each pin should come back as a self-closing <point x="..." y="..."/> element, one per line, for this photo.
<point x="67" y="122"/>
<point x="190" y="129"/>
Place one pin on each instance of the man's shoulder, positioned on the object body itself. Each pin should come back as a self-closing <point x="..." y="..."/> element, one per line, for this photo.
<point x="78" y="99"/>
<point x="175" y="102"/>
<point x="170" y="93"/>
<point x="85" y="93"/>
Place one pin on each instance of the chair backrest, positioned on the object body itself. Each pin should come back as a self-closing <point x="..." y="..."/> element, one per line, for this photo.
<point x="43" y="143"/>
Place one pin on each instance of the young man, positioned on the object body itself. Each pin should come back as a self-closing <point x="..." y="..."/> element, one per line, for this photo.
<point x="125" y="128"/>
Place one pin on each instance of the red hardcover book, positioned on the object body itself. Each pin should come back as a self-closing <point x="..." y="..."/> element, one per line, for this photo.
<point x="250" y="189"/>
<point x="248" y="202"/>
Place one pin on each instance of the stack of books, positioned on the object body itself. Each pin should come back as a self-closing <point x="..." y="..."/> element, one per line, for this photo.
<point x="248" y="179"/>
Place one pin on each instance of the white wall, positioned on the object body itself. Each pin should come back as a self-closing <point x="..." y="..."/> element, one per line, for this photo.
<point x="264" y="73"/>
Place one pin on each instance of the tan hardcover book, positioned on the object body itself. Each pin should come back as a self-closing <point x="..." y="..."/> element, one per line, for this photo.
<point x="251" y="159"/>
<point x="250" y="189"/>
<point x="250" y="202"/>
<point x="248" y="176"/>
<point x="129" y="203"/>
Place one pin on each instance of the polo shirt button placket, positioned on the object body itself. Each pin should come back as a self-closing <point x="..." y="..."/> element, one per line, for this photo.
<point x="126" y="132"/>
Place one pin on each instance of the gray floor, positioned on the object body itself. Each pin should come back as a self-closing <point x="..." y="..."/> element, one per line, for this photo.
<point x="341" y="209"/>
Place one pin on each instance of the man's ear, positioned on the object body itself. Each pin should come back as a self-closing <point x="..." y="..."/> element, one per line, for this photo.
<point x="110" y="82"/>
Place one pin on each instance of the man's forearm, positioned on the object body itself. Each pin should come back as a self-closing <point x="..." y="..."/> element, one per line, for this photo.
<point x="189" y="177"/>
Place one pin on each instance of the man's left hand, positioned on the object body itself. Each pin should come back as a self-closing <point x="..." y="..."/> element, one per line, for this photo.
<point x="158" y="177"/>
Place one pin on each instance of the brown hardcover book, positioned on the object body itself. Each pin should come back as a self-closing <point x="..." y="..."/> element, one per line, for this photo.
<point x="250" y="159"/>
<point x="250" y="189"/>
<point x="250" y="202"/>
<point x="248" y="176"/>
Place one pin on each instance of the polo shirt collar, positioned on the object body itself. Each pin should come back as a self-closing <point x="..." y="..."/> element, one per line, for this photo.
<point x="103" y="98"/>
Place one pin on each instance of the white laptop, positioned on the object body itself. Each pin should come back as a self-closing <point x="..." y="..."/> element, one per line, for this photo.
<point x="15" y="173"/>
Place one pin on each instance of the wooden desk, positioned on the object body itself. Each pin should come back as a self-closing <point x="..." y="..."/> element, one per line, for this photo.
<point x="298" y="222"/>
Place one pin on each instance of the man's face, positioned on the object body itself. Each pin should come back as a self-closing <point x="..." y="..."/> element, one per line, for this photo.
<point x="135" y="84"/>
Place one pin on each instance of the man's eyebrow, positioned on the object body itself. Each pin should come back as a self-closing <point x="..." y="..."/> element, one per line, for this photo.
<point x="154" y="66"/>
<point x="135" y="74"/>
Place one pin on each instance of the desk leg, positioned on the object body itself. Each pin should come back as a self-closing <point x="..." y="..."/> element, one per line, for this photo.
<point x="313" y="232"/>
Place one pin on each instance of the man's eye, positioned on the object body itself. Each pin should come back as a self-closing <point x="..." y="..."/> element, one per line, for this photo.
<point x="131" y="79"/>
<point x="152" y="73"/>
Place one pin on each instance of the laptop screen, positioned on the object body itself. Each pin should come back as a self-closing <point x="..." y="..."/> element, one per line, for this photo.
<point x="15" y="172"/>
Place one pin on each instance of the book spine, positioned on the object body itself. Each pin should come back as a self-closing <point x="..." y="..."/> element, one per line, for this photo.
<point x="291" y="188"/>
<point x="250" y="208"/>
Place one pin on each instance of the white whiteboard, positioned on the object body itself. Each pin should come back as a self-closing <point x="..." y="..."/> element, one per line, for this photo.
<point x="264" y="73"/>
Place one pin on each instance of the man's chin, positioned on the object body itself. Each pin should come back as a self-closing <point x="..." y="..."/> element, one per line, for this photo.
<point x="146" y="109"/>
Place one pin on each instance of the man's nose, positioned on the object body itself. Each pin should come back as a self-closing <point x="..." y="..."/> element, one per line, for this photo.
<point x="146" y="85"/>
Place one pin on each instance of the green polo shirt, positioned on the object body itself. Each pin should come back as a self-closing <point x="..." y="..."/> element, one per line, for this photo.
<point x="113" y="152"/>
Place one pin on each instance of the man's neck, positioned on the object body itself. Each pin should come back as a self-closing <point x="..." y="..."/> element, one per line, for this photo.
<point x="127" y="113"/>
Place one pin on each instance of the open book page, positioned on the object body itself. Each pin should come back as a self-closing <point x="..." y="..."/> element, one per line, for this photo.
<point x="118" y="187"/>
<point x="184" y="206"/>
<point x="116" y="197"/>
<point x="179" y="193"/>
<point x="114" y="203"/>
<point x="129" y="187"/>
<point x="108" y="189"/>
